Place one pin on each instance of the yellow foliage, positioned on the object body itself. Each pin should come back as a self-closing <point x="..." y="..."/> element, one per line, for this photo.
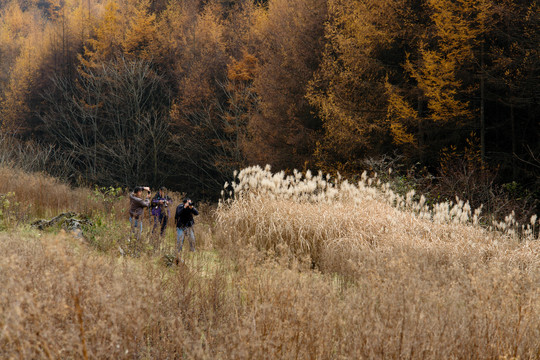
<point x="202" y="57"/>
<point x="348" y="90"/>
<point x="400" y="135"/>
<point x="24" y="56"/>
<point x="454" y="23"/>
<point x="79" y="20"/>
<point x="436" y="77"/>
<point x="400" y="113"/>
<point x="141" y="35"/>
<point x="109" y="36"/>
<point x="471" y="156"/>
<point x="14" y="22"/>
<point x="458" y="26"/>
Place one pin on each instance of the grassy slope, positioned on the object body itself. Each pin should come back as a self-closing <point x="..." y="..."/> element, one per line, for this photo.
<point x="388" y="286"/>
<point x="64" y="292"/>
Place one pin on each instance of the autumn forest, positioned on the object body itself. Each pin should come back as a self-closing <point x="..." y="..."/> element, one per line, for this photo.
<point x="439" y="95"/>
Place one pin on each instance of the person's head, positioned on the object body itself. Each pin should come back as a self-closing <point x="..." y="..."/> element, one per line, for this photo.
<point x="138" y="191"/>
<point x="187" y="201"/>
<point x="162" y="191"/>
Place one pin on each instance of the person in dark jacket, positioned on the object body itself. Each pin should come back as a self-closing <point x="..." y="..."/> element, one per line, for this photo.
<point x="184" y="224"/>
<point x="138" y="200"/>
<point x="160" y="210"/>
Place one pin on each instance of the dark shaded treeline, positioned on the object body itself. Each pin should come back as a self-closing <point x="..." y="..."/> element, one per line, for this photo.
<point x="182" y="93"/>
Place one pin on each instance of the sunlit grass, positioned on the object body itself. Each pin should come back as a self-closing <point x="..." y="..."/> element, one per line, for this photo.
<point x="340" y="272"/>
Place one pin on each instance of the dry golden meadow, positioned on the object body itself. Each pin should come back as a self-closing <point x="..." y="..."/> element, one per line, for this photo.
<point x="298" y="267"/>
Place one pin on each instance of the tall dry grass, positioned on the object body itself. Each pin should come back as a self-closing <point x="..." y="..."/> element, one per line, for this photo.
<point x="26" y="196"/>
<point x="40" y="195"/>
<point x="388" y="283"/>
<point x="428" y="277"/>
<point x="316" y="218"/>
<point x="62" y="300"/>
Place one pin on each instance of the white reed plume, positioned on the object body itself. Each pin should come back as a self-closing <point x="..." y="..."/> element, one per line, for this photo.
<point x="258" y="183"/>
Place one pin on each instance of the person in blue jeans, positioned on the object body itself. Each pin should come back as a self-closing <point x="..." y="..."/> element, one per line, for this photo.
<point x="138" y="200"/>
<point x="184" y="225"/>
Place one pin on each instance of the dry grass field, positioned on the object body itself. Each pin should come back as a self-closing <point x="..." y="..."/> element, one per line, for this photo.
<point x="287" y="268"/>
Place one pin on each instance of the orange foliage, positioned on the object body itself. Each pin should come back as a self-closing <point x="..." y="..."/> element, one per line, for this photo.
<point x="243" y="70"/>
<point x="286" y="82"/>
<point x="289" y="37"/>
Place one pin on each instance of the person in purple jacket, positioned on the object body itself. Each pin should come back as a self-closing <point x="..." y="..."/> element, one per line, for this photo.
<point x="160" y="210"/>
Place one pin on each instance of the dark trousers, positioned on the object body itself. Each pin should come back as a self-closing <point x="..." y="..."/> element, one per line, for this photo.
<point x="163" y="219"/>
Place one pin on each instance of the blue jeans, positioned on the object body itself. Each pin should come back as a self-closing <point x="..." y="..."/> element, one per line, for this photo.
<point x="136" y="227"/>
<point x="180" y="233"/>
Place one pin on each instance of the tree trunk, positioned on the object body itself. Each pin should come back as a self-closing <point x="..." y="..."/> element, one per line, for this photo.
<point x="514" y="143"/>
<point x="482" y="108"/>
<point x="421" y="133"/>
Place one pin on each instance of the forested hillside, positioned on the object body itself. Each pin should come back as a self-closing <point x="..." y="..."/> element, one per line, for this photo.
<point x="181" y="93"/>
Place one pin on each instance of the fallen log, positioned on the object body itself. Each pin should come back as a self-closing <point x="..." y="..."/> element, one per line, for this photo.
<point x="69" y="221"/>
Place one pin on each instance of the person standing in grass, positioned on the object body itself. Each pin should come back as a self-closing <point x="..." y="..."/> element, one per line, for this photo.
<point x="184" y="225"/>
<point x="138" y="200"/>
<point x="160" y="210"/>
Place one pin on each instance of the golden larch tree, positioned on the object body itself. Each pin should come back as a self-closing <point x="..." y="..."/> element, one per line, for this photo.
<point x="141" y="35"/>
<point x="288" y="39"/>
<point x="443" y="69"/>
<point x="108" y="39"/>
<point x="348" y="91"/>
